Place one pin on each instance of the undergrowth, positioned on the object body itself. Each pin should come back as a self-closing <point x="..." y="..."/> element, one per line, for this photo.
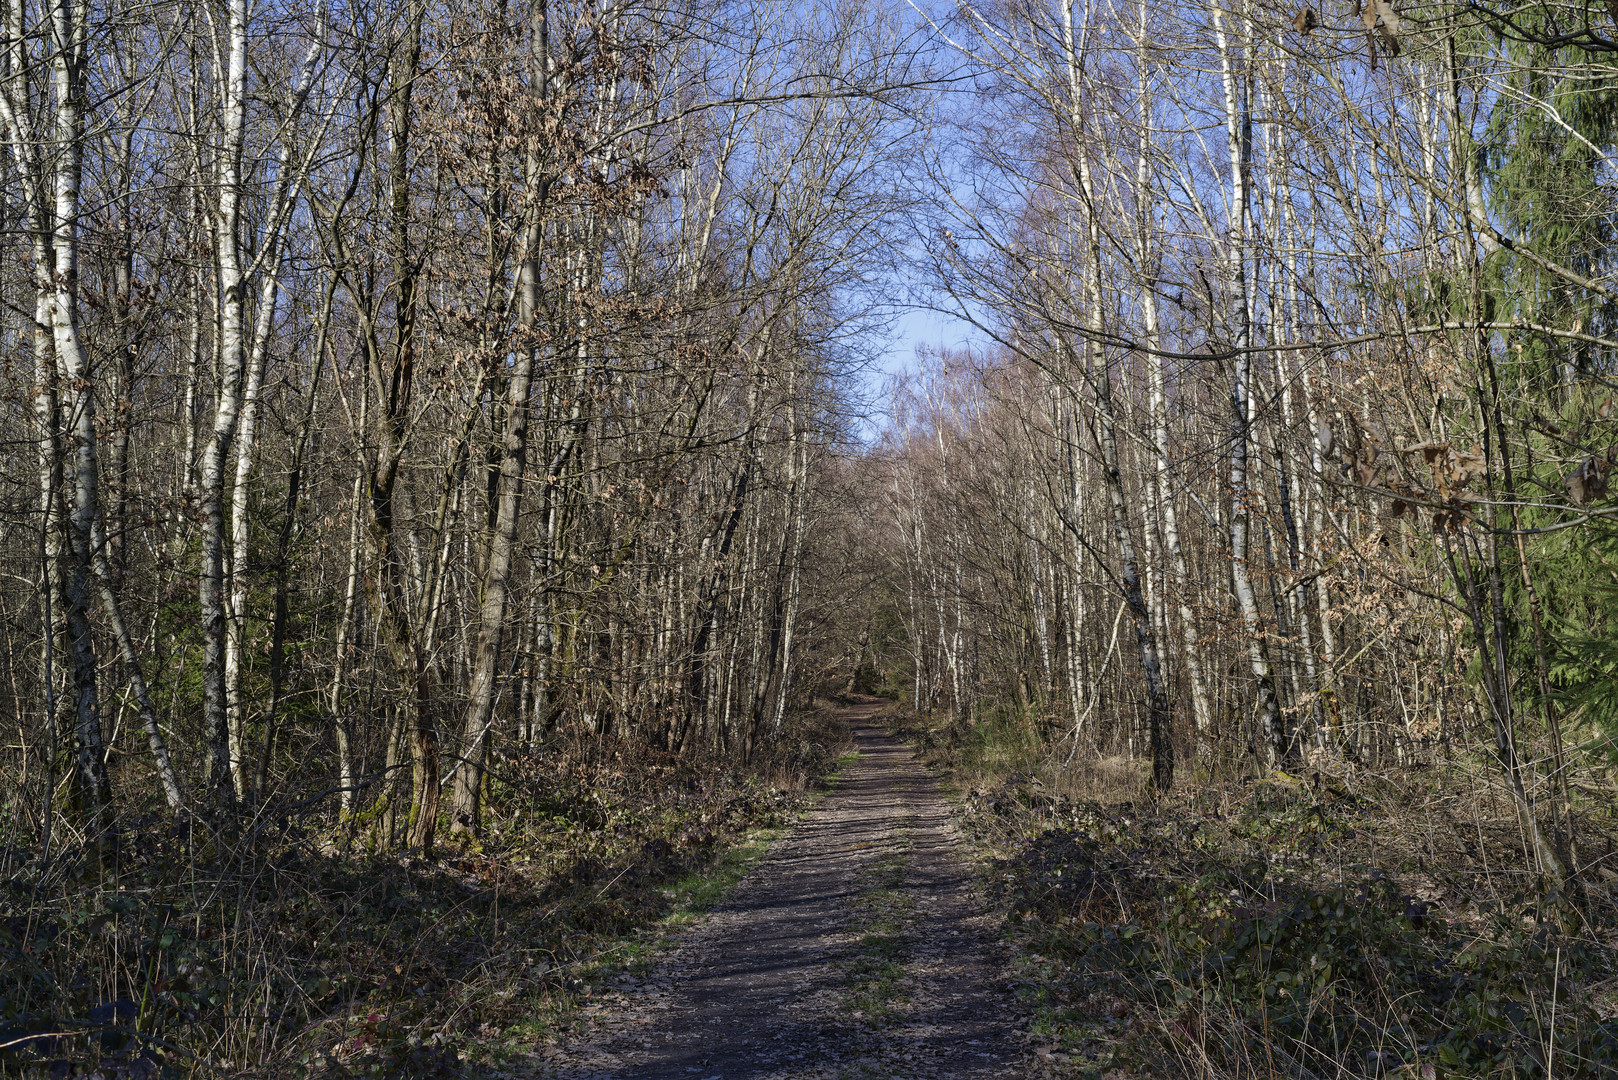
<point x="1276" y="928"/>
<point x="265" y="947"/>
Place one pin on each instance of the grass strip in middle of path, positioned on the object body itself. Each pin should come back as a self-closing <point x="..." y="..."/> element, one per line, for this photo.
<point x="883" y="916"/>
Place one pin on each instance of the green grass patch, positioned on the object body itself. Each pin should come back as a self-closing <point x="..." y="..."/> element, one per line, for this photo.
<point x="883" y="916"/>
<point x="696" y="894"/>
<point x="831" y="780"/>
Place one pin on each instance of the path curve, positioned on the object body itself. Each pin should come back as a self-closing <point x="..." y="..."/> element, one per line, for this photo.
<point x="856" y="948"/>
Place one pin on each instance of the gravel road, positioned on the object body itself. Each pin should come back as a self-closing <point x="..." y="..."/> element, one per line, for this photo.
<point x="856" y="948"/>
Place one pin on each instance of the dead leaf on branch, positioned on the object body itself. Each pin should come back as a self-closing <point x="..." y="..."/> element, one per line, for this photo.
<point x="1574" y="483"/>
<point x="1430" y="452"/>
<point x="1381" y="21"/>
<point x="1452" y="469"/>
<point x="1323" y="435"/>
<point x="1448" y="521"/>
<point x="1390" y="24"/>
<point x="1364" y="437"/>
<point x="1305" y="20"/>
<point x="1402" y="499"/>
<point x="1367" y="454"/>
<point x="1589" y="481"/>
<point x="1465" y="468"/>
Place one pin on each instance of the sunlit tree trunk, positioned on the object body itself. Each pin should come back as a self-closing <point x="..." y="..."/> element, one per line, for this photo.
<point x="220" y="768"/>
<point x="68" y="61"/>
<point x="1147" y="259"/>
<point x="1098" y="374"/>
<point x="502" y="539"/>
<point x="1235" y="60"/>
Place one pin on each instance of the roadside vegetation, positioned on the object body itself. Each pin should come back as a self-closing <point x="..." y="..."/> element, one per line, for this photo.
<point x="283" y="948"/>
<point x="1333" y="924"/>
<point x="1253" y="570"/>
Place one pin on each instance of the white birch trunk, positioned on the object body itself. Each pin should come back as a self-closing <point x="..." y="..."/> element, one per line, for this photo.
<point x="220" y="766"/>
<point x="1239" y="138"/>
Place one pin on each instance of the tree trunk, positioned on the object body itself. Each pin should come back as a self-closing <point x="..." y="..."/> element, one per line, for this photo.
<point x="221" y="768"/>
<point x="501" y="554"/>
<point x="1239" y="136"/>
<point x="1098" y="374"/>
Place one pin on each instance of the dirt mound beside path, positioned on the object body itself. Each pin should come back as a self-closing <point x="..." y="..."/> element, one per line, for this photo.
<point x="856" y="948"/>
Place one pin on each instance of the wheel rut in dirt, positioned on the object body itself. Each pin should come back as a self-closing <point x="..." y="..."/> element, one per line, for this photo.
<point x="856" y="948"/>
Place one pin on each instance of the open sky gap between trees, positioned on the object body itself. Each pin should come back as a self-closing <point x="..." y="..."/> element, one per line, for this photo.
<point x="446" y="441"/>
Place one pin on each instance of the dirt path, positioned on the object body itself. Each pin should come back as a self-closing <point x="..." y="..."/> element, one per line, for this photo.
<point x="855" y="949"/>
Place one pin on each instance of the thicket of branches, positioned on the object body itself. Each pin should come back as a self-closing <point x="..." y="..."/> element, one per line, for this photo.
<point x="1291" y="443"/>
<point x="390" y="386"/>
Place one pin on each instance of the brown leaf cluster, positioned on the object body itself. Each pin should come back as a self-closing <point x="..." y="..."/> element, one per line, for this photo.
<point x="1453" y="470"/>
<point x="1381" y="24"/>
<point x="1588" y="481"/>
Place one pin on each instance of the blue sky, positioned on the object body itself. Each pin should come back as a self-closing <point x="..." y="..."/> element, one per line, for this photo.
<point x="911" y="328"/>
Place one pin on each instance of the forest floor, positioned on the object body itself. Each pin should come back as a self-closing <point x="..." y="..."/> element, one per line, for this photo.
<point x="857" y="948"/>
<point x="631" y="914"/>
<point x="282" y="946"/>
<point x="1339" y="925"/>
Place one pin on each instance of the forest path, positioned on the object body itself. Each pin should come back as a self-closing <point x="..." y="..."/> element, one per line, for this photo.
<point x="856" y="948"/>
